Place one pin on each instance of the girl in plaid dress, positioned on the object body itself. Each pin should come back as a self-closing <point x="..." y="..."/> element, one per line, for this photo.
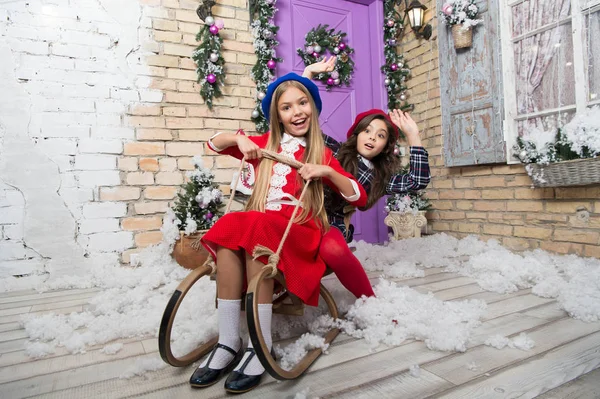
<point x="368" y="154"/>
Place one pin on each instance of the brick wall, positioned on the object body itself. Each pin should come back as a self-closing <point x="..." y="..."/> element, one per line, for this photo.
<point x="494" y="201"/>
<point x="169" y="134"/>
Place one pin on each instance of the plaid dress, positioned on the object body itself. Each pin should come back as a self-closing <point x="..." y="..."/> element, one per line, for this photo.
<point x="417" y="179"/>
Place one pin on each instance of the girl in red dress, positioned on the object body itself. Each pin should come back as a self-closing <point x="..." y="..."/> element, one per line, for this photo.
<point x="293" y="104"/>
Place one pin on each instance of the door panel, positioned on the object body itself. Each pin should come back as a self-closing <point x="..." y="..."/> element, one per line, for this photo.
<point x="362" y="24"/>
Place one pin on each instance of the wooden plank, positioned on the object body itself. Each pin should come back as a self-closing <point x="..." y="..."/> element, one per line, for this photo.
<point x="536" y="375"/>
<point x="12" y="335"/>
<point x="44" y="300"/>
<point x="549" y="311"/>
<point x="514" y="304"/>
<point x="59" y="305"/>
<point x="586" y="386"/>
<point x="458" y="292"/>
<point x="445" y="284"/>
<point x="17" y="317"/>
<point x="78" y="376"/>
<point x="47" y="295"/>
<point x="19" y="356"/>
<point x="327" y="380"/>
<point x="13" y="294"/>
<point x="105" y="384"/>
<point x="491" y="297"/>
<point x="344" y="350"/>
<point x="488" y="359"/>
<point x="12" y="346"/>
<point x="14" y="311"/>
<point x="57" y="364"/>
<point x="15" y="325"/>
<point x="402" y="385"/>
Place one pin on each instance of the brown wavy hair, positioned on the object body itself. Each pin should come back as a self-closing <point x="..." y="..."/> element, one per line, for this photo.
<point x="385" y="164"/>
<point x="314" y="153"/>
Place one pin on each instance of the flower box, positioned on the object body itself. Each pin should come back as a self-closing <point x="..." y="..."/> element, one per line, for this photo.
<point x="577" y="172"/>
<point x="406" y="224"/>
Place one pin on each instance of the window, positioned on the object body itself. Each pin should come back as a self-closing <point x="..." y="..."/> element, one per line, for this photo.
<point x="550" y="62"/>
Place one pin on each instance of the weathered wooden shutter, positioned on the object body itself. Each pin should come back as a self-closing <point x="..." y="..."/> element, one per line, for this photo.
<point x="471" y="91"/>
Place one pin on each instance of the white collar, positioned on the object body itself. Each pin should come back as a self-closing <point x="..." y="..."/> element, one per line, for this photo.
<point x="289" y="138"/>
<point x="366" y="161"/>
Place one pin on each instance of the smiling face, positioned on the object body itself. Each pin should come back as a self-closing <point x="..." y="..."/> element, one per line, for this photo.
<point x="294" y="110"/>
<point x="373" y="139"/>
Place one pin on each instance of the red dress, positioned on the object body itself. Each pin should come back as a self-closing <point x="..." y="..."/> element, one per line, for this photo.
<point x="299" y="260"/>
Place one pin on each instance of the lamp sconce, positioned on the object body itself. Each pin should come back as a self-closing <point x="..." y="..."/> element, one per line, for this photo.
<point x="416" y="13"/>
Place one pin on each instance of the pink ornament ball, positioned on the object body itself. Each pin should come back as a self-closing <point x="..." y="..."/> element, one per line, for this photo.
<point x="390" y="23"/>
<point x="335" y="74"/>
<point x="342" y="46"/>
<point x="211" y="78"/>
<point x="315" y="54"/>
<point x="396" y="151"/>
<point x="394" y="67"/>
<point x="271" y="64"/>
<point x="310" y="49"/>
<point x="330" y="82"/>
<point x="213" y="29"/>
<point x="219" y="23"/>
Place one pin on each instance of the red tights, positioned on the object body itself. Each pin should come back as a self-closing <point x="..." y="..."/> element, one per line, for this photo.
<point x="335" y="253"/>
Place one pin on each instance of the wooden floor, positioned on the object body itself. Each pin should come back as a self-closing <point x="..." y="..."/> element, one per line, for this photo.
<point x="561" y="365"/>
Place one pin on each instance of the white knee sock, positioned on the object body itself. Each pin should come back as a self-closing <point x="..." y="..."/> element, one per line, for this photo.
<point x="265" y="313"/>
<point x="229" y="332"/>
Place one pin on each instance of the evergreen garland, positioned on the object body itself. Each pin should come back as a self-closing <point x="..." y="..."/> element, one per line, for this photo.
<point x="395" y="69"/>
<point x="263" y="32"/>
<point x="321" y="39"/>
<point x="209" y="60"/>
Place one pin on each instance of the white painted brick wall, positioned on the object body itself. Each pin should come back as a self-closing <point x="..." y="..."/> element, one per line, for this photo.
<point x="97" y="210"/>
<point x="69" y="57"/>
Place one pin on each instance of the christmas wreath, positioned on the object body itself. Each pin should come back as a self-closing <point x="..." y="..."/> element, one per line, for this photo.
<point x="321" y="39"/>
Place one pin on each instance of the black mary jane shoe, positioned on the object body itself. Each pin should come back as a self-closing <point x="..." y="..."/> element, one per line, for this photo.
<point x="238" y="382"/>
<point x="205" y="376"/>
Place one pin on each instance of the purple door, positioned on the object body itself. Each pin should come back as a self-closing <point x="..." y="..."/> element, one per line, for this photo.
<point x="362" y="21"/>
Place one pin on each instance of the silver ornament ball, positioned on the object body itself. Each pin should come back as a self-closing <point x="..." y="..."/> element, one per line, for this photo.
<point x="403" y="97"/>
<point x="268" y="34"/>
<point x="317" y="49"/>
<point x="260" y="95"/>
<point x="255" y="114"/>
<point x="336" y="50"/>
<point x="523" y="154"/>
<point x="209" y="20"/>
<point x="387" y="82"/>
<point x="337" y="82"/>
<point x="214" y="57"/>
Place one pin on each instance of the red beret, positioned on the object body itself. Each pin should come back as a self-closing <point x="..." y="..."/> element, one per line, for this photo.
<point x="373" y="111"/>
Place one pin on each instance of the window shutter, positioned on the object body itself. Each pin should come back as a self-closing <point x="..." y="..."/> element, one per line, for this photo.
<point x="471" y="91"/>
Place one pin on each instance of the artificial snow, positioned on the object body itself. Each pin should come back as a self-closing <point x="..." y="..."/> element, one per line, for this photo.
<point x="415" y="370"/>
<point x="112" y="348"/>
<point x="144" y="365"/>
<point x="132" y="300"/>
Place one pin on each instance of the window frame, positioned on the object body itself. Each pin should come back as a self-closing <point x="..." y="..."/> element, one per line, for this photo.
<point x="579" y="9"/>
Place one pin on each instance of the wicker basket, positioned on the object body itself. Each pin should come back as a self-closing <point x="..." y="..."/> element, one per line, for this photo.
<point x="463" y="38"/>
<point x="188" y="251"/>
<point x="578" y="172"/>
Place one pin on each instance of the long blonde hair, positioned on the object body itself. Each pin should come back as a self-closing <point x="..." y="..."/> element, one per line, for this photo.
<point x="314" y="153"/>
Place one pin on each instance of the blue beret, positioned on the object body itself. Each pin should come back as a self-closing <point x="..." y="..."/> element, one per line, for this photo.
<point x="312" y="89"/>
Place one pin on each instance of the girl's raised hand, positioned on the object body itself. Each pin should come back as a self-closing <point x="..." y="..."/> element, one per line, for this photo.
<point x="312" y="171"/>
<point x="325" y="65"/>
<point x="248" y="148"/>
<point x="404" y="122"/>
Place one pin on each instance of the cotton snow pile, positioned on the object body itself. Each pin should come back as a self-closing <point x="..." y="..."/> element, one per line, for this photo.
<point x="399" y="313"/>
<point x="573" y="280"/>
<point x="130" y="305"/>
<point x="522" y="341"/>
<point x="132" y="300"/>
